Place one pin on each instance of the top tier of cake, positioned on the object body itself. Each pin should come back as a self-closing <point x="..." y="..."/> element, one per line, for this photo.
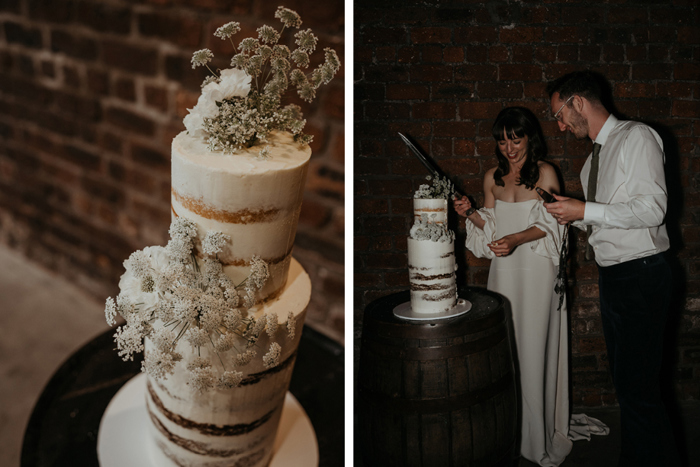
<point x="255" y="201"/>
<point x="435" y="210"/>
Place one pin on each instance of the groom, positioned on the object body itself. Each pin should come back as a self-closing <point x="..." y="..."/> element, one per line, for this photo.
<point x="624" y="212"/>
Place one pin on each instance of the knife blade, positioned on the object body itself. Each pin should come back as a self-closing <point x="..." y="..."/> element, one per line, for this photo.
<point x="428" y="163"/>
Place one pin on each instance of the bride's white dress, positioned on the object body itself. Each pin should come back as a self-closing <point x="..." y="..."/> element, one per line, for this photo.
<point x="527" y="278"/>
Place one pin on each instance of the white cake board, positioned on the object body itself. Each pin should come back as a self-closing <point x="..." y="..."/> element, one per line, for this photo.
<point x="123" y="439"/>
<point x="404" y="311"/>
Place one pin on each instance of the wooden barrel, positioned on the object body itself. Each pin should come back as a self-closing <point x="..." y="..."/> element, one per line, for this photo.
<point x="438" y="393"/>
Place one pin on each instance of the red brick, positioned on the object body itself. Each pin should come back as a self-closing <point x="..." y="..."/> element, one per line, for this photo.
<point x="380" y="35"/>
<point x="491" y="90"/>
<point x="690" y="109"/>
<point x="431" y="54"/>
<point x="386" y="111"/>
<point x="128" y="120"/>
<point x="652" y="72"/>
<point x="426" y="35"/>
<point x="686" y="71"/>
<point x="103" y="17"/>
<point x="631" y="15"/>
<point x="498" y="53"/>
<point x="16" y="33"/>
<point x="370" y="166"/>
<point x="156" y="97"/>
<point x="434" y="110"/>
<point x="177" y="29"/>
<point x="523" y="53"/>
<point x="407" y="92"/>
<point x="385" y="54"/>
<point x="519" y="72"/>
<point x="564" y="35"/>
<point x="150" y="158"/>
<point x="130" y="57"/>
<point x="125" y="89"/>
<point x="431" y="73"/>
<point x="476" y="73"/>
<point x="631" y="90"/>
<point x="314" y="213"/>
<point x="454" y="129"/>
<point x="476" y="34"/>
<point x="453" y="54"/>
<point x="689" y="35"/>
<point x="408" y="55"/>
<point x="520" y="35"/>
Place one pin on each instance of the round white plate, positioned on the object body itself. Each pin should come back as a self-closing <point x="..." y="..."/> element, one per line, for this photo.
<point x="404" y="311"/>
<point x="125" y="423"/>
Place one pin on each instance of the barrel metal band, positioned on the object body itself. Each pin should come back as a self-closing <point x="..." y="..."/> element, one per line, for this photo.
<point x="434" y="353"/>
<point x="383" y="403"/>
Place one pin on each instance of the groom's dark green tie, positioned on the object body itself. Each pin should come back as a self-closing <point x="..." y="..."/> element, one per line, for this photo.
<point x="590" y="194"/>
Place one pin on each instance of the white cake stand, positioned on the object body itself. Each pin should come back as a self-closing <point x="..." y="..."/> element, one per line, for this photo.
<point x="123" y="436"/>
<point x="404" y="311"/>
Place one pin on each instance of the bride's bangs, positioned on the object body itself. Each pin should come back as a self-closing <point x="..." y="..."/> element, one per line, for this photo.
<point x="512" y="128"/>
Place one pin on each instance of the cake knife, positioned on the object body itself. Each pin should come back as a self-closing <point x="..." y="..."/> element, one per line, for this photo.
<point x="430" y="165"/>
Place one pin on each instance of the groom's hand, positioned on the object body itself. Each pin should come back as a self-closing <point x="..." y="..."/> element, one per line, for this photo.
<point x="565" y="209"/>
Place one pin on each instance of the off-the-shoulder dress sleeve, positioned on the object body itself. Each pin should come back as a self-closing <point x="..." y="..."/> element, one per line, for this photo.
<point x="550" y="245"/>
<point x="477" y="239"/>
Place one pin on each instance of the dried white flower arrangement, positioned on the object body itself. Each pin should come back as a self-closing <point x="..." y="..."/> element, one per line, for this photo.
<point x="441" y="188"/>
<point x="425" y="228"/>
<point x="167" y="294"/>
<point x="240" y="106"/>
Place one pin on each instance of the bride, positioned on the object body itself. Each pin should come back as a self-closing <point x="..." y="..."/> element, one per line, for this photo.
<point x="514" y="230"/>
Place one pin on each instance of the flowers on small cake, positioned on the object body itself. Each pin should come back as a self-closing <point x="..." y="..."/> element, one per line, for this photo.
<point x="425" y="228"/>
<point x="169" y="295"/>
<point x="239" y="107"/>
<point x="441" y="188"/>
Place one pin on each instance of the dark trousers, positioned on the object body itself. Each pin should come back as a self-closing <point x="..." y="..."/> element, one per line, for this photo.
<point x="634" y="300"/>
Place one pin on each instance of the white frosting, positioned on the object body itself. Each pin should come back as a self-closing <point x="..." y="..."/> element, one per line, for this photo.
<point x="255" y="201"/>
<point x="245" y="404"/>
<point x="431" y="263"/>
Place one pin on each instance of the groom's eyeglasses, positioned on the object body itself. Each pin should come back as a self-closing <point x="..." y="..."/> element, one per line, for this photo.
<point x="556" y="115"/>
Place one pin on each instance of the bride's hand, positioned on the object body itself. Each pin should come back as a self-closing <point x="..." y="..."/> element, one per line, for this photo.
<point x="462" y="205"/>
<point x="504" y="246"/>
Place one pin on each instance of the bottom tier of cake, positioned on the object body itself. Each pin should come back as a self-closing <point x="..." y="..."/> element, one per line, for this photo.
<point x="232" y="427"/>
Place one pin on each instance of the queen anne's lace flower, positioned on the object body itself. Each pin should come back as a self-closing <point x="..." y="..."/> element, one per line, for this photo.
<point x="291" y="325"/>
<point x="214" y="242"/>
<point x="230" y="379"/>
<point x="272" y="357"/>
<point x="129" y="340"/>
<point x="242" y="359"/>
<point x="289" y="18"/>
<point x="228" y="30"/>
<point x="231" y="114"/>
<point x="272" y="324"/>
<point x="111" y="311"/>
<point x="201" y="57"/>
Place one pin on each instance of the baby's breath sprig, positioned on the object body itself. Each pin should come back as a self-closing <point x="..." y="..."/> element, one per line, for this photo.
<point x="238" y="111"/>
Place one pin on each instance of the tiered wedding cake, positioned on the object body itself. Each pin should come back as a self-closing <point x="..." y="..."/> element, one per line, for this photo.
<point x="218" y="312"/>
<point x="431" y="258"/>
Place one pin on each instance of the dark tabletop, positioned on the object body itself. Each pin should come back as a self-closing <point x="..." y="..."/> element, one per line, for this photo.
<point x="62" y="430"/>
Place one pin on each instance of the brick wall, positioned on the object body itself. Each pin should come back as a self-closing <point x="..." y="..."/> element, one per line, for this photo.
<point x="441" y="71"/>
<point x="91" y="95"/>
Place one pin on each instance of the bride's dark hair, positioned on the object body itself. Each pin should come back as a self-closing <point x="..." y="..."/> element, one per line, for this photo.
<point x="517" y="122"/>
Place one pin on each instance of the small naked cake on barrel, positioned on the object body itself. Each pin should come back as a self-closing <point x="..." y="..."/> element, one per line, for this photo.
<point x="431" y="257"/>
<point x="219" y="311"/>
